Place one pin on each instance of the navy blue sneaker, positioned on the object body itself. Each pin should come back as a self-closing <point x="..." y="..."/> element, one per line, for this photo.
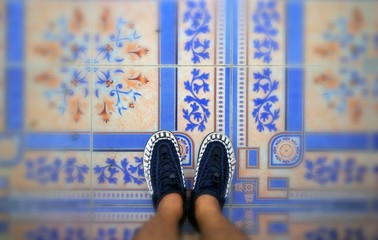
<point x="214" y="172"/>
<point x="163" y="168"/>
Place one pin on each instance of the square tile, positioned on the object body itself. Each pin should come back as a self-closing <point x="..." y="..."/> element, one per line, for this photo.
<point x="265" y="23"/>
<point x="340" y="96"/>
<point x="60" y="35"/>
<point x="2" y="31"/>
<point x="126" y="33"/>
<point x="340" y="34"/>
<point x="57" y="99"/>
<point x="49" y="171"/>
<point x="2" y="98"/>
<point x="204" y="32"/>
<point x="126" y="99"/>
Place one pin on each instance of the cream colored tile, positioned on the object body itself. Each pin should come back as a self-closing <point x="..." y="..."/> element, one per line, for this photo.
<point x="126" y="32"/>
<point x="126" y="99"/>
<point x="57" y="99"/>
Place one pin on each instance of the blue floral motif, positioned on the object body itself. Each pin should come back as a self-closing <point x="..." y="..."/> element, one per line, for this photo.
<point x="263" y="113"/>
<point x="42" y="233"/>
<point x="45" y="172"/>
<point x="69" y="94"/>
<point x="131" y="173"/>
<point x="337" y="97"/>
<point x="124" y="94"/>
<point x="264" y="18"/>
<point x="322" y="233"/>
<point x="108" y="234"/>
<point x="354" y="172"/>
<point x="198" y="114"/>
<point x="323" y="171"/>
<point x="74" y="46"/>
<point x="199" y="18"/>
<point x="110" y="50"/>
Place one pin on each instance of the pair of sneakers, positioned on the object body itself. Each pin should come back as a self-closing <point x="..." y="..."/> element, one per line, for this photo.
<point x="164" y="172"/>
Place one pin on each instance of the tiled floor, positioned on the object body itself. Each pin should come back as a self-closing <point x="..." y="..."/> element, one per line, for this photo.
<point x="83" y="84"/>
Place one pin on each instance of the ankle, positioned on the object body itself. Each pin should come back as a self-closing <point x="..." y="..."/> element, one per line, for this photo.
<point x="171" y="206"/>
<point x="206" y="205"/>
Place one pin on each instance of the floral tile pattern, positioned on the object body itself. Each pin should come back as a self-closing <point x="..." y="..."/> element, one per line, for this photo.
<point x="63" y="96"/>
<point x="292" y="83"/>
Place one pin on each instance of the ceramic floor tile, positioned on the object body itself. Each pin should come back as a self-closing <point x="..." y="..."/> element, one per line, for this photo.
<point x="280" y="223"/>
<point x="265" y="23"/>
<point x="2" y="98"/>
<point x="52" y="170"/>
<point x="339" y="34"/>
<point x="340" y="95"/>
<point x="292" y="83"/>
<point x="204" y="32"/>
<point x="60" y="35"/>
<point x="58" y="99"/>
<point x="126" y="99"/>
<point x="2" y="31"/>
<point x="126" y="33"/>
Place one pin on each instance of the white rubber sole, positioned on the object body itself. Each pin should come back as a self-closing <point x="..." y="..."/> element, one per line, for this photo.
<point x="222" y="138"/>
<point x="147" y="155"/>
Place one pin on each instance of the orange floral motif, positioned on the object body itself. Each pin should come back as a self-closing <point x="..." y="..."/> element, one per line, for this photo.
<point x="105" y="109"/>
<point x="76" y="107"/>
<point x="135" y="51"/>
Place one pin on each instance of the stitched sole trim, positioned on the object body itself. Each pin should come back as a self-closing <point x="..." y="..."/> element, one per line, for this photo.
<point x="222" y="138"/>
<point x="147" y="155"/>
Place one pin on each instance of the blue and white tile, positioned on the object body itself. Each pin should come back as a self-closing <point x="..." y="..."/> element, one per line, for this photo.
<point x="2" y="98"/>
<point x="265" y="21"/>
<point x="2" y="31"/>
<point x="203" y="32"/>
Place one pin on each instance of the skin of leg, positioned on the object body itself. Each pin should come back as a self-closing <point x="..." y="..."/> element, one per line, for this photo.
<point x="212" y="223"/>
<point x="165" y="223"/>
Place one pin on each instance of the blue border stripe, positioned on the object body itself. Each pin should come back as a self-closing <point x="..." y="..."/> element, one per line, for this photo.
<point x="294" y="31"/>
<point x="14" y="98"/>
<point x="278" y="228"/>
<point x="54" y="141"/>
<point x="235" y="21"/>
<point x="227" y="104"/>
<point x="168" y="34"/>
<point x="228" y="26"/>
<point x="375" y="141"/>
<point x="234" y="110"/>
<point x="113" y="142"/>
<point x="168" y="98"/>
<point x="15" y="31"/>
<point x="294" y="99"/>
<point x="277" y="183"/>
<point x="337" y="141"/>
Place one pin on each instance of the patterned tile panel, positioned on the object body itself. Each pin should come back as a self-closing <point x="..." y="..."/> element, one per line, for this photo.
<point x="294" y="85"/>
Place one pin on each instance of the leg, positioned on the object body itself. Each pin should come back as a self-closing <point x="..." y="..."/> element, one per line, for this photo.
<point x="212" y="223"/>
<point x="165" y="223"/>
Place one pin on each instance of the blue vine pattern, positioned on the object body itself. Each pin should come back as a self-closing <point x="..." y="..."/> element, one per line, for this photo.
<point x="324" y="172"/>
<point x="349" y="233"/>
<point x="131" y="173"/>
<point x="264" y="115"/>
<point x="43" y="171"/>
<point x="198" y="16"/>
<point x="265" y="16"/>
<point x="198" y="115"/>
